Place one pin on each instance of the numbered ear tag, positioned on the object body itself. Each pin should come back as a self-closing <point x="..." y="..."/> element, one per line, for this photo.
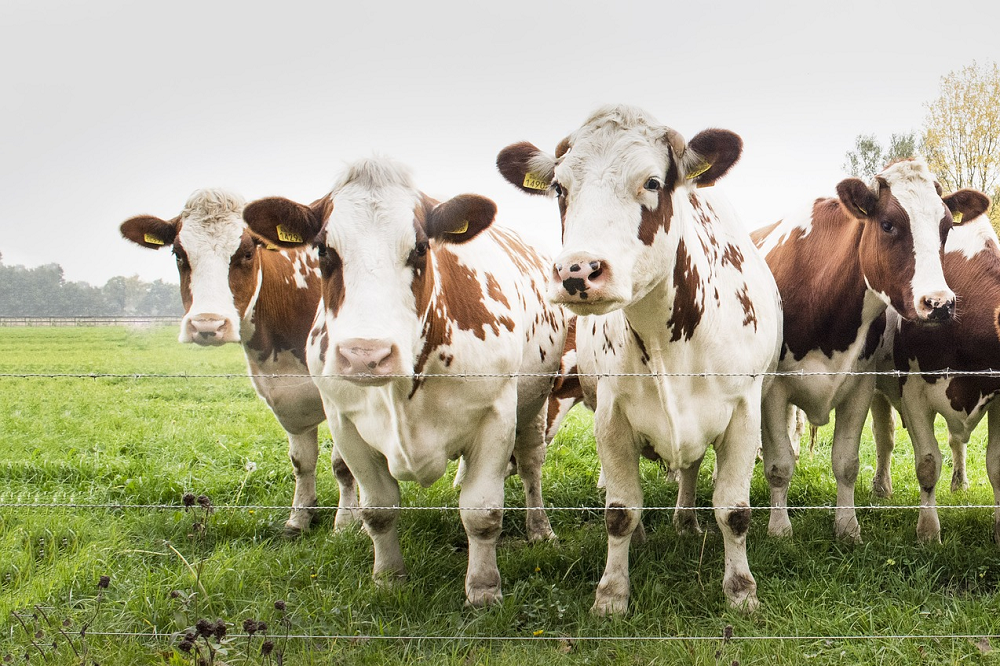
<point x="958" y="217"/>
<point x="153" y="240"/>
<point x="462" y="229"/>
<point x="286" y="236"/>
<point x="698" y="170"/>
<point x="534" y="182"/>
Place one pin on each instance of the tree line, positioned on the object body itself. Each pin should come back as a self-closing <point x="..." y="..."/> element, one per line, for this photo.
<point x="960" y="137"/>
<point x="43" y="291"/>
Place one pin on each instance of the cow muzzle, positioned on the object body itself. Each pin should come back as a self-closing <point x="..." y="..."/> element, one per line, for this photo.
<point x="582" y="282"/>
<point x="209" y="329"/>
<point x="936" y="307"/>
<point x="368" y="362"/>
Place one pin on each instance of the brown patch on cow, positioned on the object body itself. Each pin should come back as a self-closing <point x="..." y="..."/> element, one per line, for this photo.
<point x="887" y="260"/>
<point x="463" y="299"/>
<point x="874" y="336"/>
<point x="643" y="354"/>
<point x="749" y="312"/>
<point x="342" y="471"/>
<point x="689" y="299"/>
<point x="652" y="221"/>
<point x="379" y="521"/>
<point x="733" y="256"/>
<point x="618" y="520"/>
<point x="324" y="345"/>
<point x="926" y="471"/>
<point x="739" y="585"/>
<point x="494" y="291"/>
<point x="739" y="520"/>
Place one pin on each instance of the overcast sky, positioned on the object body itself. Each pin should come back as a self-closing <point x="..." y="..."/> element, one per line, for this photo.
<point x="111" y="109"/>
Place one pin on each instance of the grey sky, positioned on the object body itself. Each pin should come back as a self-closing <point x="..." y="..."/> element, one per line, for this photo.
<point x="111" y="109"/>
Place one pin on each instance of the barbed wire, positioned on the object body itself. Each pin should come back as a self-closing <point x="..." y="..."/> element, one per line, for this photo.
<point x="947" y="372"/>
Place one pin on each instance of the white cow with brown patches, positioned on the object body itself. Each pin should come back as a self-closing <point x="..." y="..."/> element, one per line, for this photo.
<point x="413" y="287"/>
<point x="668" y="286"/>
<point x="236" y="290"/>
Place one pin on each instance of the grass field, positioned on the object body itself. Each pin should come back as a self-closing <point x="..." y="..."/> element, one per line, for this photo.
<point x="150" y="440"/>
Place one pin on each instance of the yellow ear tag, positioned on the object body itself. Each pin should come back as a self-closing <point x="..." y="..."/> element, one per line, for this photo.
<point x="698" y="170"/>
<point x="535" y="182"/>
<point x="272" y="248"/>
<point x="958" y="217"/>
<point x="286" y="236"/>
<point x="462" y="229"/>
<point x="153" y="240"/>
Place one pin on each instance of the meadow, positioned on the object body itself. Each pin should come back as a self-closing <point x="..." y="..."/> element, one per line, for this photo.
<point x="139" y="440"/>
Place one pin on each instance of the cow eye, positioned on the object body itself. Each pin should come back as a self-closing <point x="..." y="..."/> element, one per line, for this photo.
<point x="321" y="250"/>
<point x="886" y="226"/>
<point x="421" y="248"/>
<point x="557" y="188"/>
<point x="652" y="185"/>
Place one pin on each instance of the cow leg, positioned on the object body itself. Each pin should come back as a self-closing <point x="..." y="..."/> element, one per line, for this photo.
<point x="851" y="416"/>
<point x="619" y="454"/>
<point x="884" y="431"/>
<point x="736" y="453"/>
<point x="958" y="444"/>
<point x="481" y="504"/>
<point x="685" y="517"/>
<point x="779" y="458"/>
<point x="927" y="459"/>
<point x="993" y="462"/>
<point x="347" y="504"/>
<point x="529" y="451"/>
<point x="303" y="451"/>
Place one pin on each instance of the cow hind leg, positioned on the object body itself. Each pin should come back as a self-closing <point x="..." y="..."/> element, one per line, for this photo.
<point x="927" y="460"/>
<point x="779" y="460"/>
<point x="993" y="463"/>
<point x="736" y="452"/>
<point x="303" y="451"/>
<point x="884" y="431"/>
<point x="959" y="445"/>
<point x="851" y="416"/>
<point x="529" y="451"/>
<point x="685" y="516"/>
<point x="348" y="514"/>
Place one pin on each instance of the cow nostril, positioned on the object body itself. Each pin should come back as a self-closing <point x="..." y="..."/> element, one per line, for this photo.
<point x="574" y="268"/>
<point x="558" y="267"/>
<point x="595" y="265"/>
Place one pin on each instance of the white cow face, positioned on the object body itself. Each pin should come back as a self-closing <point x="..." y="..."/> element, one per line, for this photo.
<point x="618" y="179"/>
<point x="216" y="260"/>
<point x="376" y="234"/>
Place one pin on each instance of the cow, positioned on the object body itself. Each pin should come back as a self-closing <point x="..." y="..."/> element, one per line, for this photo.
<point x="235" y="289"/>
<point x="679" y="318"/>
<point x="839" y="264"/>
<point x="432" y="341"/>
<point x="969" y="342"/>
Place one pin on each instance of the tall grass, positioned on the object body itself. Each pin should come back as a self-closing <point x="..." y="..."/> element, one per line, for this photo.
<point x="150" y="440"/>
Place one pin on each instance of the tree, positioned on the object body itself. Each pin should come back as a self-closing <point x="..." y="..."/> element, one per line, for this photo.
<point x="869" y="156"/>
<point x="962" y="131"/>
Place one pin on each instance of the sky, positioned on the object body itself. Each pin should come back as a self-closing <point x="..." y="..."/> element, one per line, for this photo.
<point x="114" y="109"/>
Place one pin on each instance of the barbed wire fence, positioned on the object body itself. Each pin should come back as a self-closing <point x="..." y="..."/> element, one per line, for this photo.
<point x="37" y="502"/>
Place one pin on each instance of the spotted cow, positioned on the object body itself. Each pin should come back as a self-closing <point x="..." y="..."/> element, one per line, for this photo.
<point x="667" y="286"/>
<point x="428" y="316"/>
<point x="839" y="264"/>
<point x="969" y="342"/>
<point x="236" y="289"/>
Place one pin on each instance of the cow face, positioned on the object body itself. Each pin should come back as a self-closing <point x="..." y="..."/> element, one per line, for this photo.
<point x="618" y="179"/>
<point x="217" y="259"/>
<point x="377" y="236"/>
<point x="906" y="224"/>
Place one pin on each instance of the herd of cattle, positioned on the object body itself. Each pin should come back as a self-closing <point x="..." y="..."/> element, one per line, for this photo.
<point x="661" y="313"/>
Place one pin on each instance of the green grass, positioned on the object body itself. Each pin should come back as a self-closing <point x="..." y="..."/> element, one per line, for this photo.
<point x="147" y="441"/>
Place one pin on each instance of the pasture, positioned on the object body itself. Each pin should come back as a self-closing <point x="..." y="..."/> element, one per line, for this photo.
<point x="149" y="440"/>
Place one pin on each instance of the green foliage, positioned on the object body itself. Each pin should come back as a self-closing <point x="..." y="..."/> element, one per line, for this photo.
<point x="869" y="155"/>
<point x="149" y="441"/>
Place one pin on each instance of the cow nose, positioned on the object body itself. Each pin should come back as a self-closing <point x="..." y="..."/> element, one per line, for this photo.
<point x="361" y="356"/>
<point x="939" y="307"/>
<point x="208" y="328"/>
<point x="580" y="274"/>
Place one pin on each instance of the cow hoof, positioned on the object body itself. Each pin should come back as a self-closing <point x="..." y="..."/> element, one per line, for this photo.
<point x="291" y="532"/>
<point x="929" y="537"/>
<point x="882" y="488"/>
<point x="686" y="523"/>
<point x="346" y="519"/>
<point x="482" y="597"/>
<point x="609" y="606"/>
<point x="780" y="528"/>
<point x="959" y="483"/>
<point x="748" y="604"/>
<point x="389" y="580"/>
<point x="542" y="535"/>
<point x="849" y="535"/>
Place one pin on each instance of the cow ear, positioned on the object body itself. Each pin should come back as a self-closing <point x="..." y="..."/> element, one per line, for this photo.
<point x="527" y="168"/>
<point x="859" y="199"/>
<point x="461" y="218"/>
<point x="710" y="155"/>
<point x="966" y="204"/>
<point x="149" y="231"/>
<point x="287" y="223"/>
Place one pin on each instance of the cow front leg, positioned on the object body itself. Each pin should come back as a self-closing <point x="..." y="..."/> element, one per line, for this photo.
<point x="779" y="458"/>
<point x="851" y="415"/>
<point x="619" y="454"/>
<point x="993" y="462"/>
<point x="347" y="504"/>
<point x="884" y="431"/>
<point x="959" y="446"/>
<point x="927" y="460"/>
<point x="529" y="451"/>
<point x="303" y="451"/>
<point x="685" y="516"/>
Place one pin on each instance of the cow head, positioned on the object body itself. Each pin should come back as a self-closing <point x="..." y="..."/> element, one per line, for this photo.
<point x="906" y="223"/>
<point x="377" y="236"/>
<point x="618" y="180"/>
<point x="217" y="259"/>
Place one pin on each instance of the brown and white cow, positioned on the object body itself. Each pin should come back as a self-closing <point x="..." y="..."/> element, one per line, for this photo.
<point x="839" y="264"/>
<point x="968" y="342"/>
<point x="428" y="315"/>
<point x="235" y="289"/>
<point x="668" y="286"/>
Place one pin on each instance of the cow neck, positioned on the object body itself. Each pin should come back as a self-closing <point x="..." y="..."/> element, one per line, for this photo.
<point x="281" y="313"/>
